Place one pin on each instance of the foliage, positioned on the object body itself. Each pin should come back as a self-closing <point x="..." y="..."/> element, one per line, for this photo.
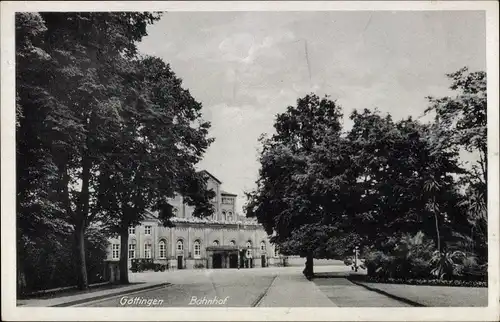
<point x="420" y="281"/>
<point x="103" y="135"/>
<point x="461" y="124"/>
<point x="49" y="262"/>
<point x="160" y="127"/>
<point x="284" y="201"/>
<point x="323" y="195"/>
<point x="415" y="257"/>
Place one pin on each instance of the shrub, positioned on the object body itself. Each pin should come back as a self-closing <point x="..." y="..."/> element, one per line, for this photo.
<point x="49" y="261"/>
<point x="199" y="265"/>
<point x="414" y="257"/>
<point x="446" y="265"/>
<point x="378" y="264"/>
<point x="411" y="281"/>
<point x="408" y="257"/>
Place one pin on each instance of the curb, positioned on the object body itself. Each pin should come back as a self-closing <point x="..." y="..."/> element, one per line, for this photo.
<point x="392" y="296"/>
<point x="100" y="297"/>
<point x="259" y="299"/>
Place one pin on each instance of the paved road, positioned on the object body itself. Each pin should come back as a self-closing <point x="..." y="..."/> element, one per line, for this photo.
<point x="265" y="287"/>
<point x="243" y="288"/>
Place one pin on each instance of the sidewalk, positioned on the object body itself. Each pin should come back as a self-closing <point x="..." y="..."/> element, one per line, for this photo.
<point x="88" y="296"/>
<point x="344" y="293"/>
<point x="434" y="296"/>
<point x="294" y="291"/>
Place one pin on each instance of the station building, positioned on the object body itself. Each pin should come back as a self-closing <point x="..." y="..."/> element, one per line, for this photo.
<point x="226" y="240"/>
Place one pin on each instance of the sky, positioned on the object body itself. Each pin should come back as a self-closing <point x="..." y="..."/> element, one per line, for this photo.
<point x="246" y="67"/>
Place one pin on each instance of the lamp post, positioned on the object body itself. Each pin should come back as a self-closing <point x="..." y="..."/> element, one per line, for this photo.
<point x="238" y="244"/>
<point x="238" y="257"/>
<point x="356" y="258"/>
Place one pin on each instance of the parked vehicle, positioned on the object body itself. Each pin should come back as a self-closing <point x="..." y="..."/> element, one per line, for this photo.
<point x="147" y="264"/>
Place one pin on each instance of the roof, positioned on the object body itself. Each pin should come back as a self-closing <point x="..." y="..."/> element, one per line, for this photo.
<point x="227" y="193"/>
<point x="211" y="175"/>
<point x="150" y="215"/>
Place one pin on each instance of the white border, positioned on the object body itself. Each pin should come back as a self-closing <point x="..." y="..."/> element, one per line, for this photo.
<point x="11" y="312"/>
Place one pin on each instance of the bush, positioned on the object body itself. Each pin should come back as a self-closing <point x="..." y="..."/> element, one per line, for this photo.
<point x="49" y="261"/>
<point x="411" y="281"/>
<point x="414" y="257"/>
<point x="378" y="264"/>
<point x="409" y="258"/>
<point x="199" y="265"/>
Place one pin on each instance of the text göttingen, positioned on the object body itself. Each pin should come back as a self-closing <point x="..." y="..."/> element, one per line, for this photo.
<point x="138" y="300"/>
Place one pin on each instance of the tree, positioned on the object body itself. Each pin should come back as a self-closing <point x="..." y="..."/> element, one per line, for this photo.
<point x="282" y="201"/>
<point x="406" y="186"/>
<point x="156" y="142"/>
<point x="461" y="124"/>
<point x="65" y="101"/>
<point x="38" y="207"/>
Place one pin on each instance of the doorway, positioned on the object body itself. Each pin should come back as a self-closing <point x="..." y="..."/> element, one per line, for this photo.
<point x="179" y="262"/>
<point x="233" y="261"/>
<point x="263" y="260"/>
<point x="217" y="261"/>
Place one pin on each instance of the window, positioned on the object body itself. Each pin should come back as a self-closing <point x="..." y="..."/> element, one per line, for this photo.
<point x="131" y="230"/>
<point x="215" y="243"/>
<point x="228" y="201"/>
<point x="263" y="245"/>
<point x="131" y="250"/>
<point x="116" y="251"/>
<point x="147" y="250"/>
<point x="197" y="249"/>
<point x="249" y="249"/>
<point x="175" y="212"/>
<point x="230" y="216"/>
<point x="147" y="230"/>
<point x="223" y="215"/>
<point x="162" y="247"/>
<point x="232" y="243"/>
<point x="180" y="245"/>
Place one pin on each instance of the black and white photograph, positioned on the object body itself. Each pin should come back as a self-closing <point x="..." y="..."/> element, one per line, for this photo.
<point x="219" y="155"/>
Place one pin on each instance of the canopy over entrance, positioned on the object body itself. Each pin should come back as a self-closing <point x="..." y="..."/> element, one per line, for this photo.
<point x="229" y="256"/>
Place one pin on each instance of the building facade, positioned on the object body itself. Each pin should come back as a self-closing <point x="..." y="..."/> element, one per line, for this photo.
<point x="226" y="240"/>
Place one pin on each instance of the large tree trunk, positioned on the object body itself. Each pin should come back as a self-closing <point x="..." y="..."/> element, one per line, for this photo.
<point x="124" y="255"/>
<point x="21" y="275"/>
<point x="309" y="270"/>
<point x="83" y="282"/>
<point x="82" y="216"/>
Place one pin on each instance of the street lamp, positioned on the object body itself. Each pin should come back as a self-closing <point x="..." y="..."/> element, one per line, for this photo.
<point x="356" y="248"/>
<point x="239" y="260"/>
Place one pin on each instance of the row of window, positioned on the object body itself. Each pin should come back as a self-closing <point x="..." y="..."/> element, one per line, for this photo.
<point x="228" y="201"/>
<point x="227" y="216"/>
<point x="147" y="230"/>
<point x="162" y="249"/>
